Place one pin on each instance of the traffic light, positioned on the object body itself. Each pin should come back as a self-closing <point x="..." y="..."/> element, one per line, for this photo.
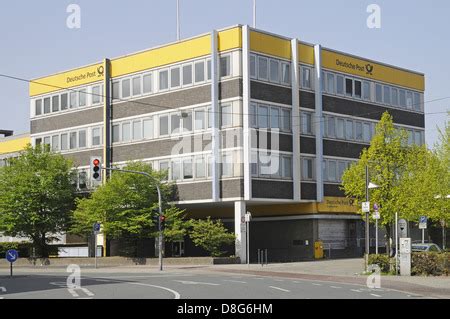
<point x="163" y="222"/>
<point x="96" y="169"/>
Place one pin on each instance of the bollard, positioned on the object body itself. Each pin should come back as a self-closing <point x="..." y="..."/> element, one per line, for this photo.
<point x="267" y="260"/>
<point x="259" y="256"/>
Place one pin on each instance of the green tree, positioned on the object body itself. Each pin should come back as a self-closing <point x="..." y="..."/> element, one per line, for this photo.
<point x="36" y="197"/>
<point x="386" y="159"/>
<point x="127" y="205"/>
<point x="210" y="235"/>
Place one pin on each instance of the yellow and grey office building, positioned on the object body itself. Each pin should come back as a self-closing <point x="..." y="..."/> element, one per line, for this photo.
<point x="217" y="111"/>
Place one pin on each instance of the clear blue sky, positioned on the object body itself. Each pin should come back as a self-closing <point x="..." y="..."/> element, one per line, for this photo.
<point x="35" y="40"/>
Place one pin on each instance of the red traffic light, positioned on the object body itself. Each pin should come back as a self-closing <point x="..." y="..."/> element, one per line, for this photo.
<point x="96" y="162"/>
<point x="163" y="218"/>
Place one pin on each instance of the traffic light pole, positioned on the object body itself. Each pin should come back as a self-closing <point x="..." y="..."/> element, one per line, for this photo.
<point x="160" y="238"/>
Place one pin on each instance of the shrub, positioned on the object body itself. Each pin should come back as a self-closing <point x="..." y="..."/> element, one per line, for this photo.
<point x="383" y="261"/>
<point x="429" y="264"/>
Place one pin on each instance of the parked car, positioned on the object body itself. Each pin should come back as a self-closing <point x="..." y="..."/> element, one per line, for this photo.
<point x="428" y="247"/>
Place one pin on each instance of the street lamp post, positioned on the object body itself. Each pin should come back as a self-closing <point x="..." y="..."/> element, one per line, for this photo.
<point x="160" y="238"/>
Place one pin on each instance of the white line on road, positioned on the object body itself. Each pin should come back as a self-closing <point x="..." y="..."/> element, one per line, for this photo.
<point x="335" y="287"/>
<point x="196" y="283"/>
<point x="73" y="293"/>
<point x="378" y="296"/>
<point x="177" y="295"/>
<point x="279" y="280"/>
<point x="314" y="284"/>
<point x="2" y="289"/>
<point x="236" y="281"/>
<point x="355" y="290"/>
<point x="278" y="288"/>
<point x="87" y="292"/>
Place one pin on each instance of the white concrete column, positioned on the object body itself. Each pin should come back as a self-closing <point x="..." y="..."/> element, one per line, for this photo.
<point x="216" y="119"/>
<point x="246" y="112"/>
<point x="240" y="208"/>
<point x="296" y="167"/>
<point x="318" y="120"/>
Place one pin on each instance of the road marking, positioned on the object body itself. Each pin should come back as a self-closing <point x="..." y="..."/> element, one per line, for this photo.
<point x="196" y="283"/>
<point x="314" y="284"/>
<point x="87" y="292"/>
<point x="2" y="289"/>
<point x="335" y="287"/>
<point x="236" y="281"/>
<point x="278" y="288"/>
<point x="103" y="280"/>
<point x="279" y="280"/>
<point x="355" y="290"/>
<point x="73" y="293"/>
<point x="2" y="298"/>
<point x="177" y="295"/>
<point x="378" y="296"/>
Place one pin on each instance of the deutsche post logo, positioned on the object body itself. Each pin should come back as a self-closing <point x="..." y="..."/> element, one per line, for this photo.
<point x="369" y="69"/>
<point x="100" y="70"/>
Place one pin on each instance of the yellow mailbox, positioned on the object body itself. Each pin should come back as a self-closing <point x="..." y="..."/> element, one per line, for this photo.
<point x="318" y="250"/>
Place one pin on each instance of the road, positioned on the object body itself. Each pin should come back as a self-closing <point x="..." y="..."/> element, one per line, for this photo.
<point x="189" y="283"/>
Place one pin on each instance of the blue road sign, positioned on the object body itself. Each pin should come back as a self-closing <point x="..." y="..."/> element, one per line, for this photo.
<point x="423" y="219"/>
<point x="12" y="255"/>
<point x="97" y="227"/>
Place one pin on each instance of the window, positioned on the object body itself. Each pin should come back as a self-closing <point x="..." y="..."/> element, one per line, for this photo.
<point x="366" y="90"/>
<point x="394" y="96"/>
<point x="349" y="87"/>
<point x="410" y="137"/>
<point x="253" y="115"/>
<point x="286" y="163"/>
<point x="126" y="132"/>
<point x="307" y="169"/>
<point x="187" y="169"/>
<point x="116" y="133"/>
<point x="358" y="131"/>
<point x="96" y="137"/>
<point x="95" y="94"/>
<point x="82" y="97"/>
<point x="164" y="167"/>
<point x="387" y="95"/>
<point x="402" y="98"/>
<point x="263" y="117"/>
<point x="331" y="127"/>
<point x="208" y="69"/>
<point x="82" y="180"/>
<point x="226" y="115"/>
<point x="147" y="79"/>
<point x="82" y="139"/>
<point x="73" y="140"/>
<point x="330" y="83"/>
<point x="358" y="89"/>
<point x="126" y="88"/>
<point x="55" y="143"/>
<point x="47" y="140"/>
<point x="137" y="86"/>
<point x="286" y="73"/>
<point x="115" y="90"/>
<point x="274" y="71"/>
<point x="340" y="133"/>
<point x="148" y="128"/>
<point x="286" y="120"/>
<point x="199" y="72"/>
<point x="253" y="66"/>
<point x="417" y="102"/>
<point x="200" y="167"/>
<point x="210" y="117"/>
<point x="163" y="80"/>
<point x="187" y="121"/>
<point x="175" y="79"/>
<point x="199" y="118"/>
<point x="263" y="72"/>
<point x="409" y="99"/>
<point x="55" y="103"/>
<point x="366" y="132"/>
<point x="137" y="130"/>
<point x="64" y="142"/>
<point x="340" y="84"/>
<point x="38" y="107"/>
<point x="306" y="78"/>
<point x="225" y="66"/>
<point x="176" y="170"/>
<point x="342" y="166"/>
<point x="349" y="130"/>
<point x="418" y="137"/>
<point x="275" y="118"/>
<point x="187" y="74"/>
<point x="175" y="123"/>
<point x="227" y="164"/>
<point x="163" y="125"/>
<point x="47" y="103"/>
<point x="378" y="93"/>
<point x="332" y="171"/>
<point x="306" y="125"/>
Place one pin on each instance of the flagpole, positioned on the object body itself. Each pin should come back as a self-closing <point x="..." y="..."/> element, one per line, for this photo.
<point x="254" y="14"/>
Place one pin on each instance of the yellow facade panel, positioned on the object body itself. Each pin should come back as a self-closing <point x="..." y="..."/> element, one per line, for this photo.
<point x="306" y="53"/>
<point x="14" y="145"/>
<point x="67" y="80"/>
<point x="230" y="39"/>
<point x="270" y="45"/>
<point x="374" y="71"/>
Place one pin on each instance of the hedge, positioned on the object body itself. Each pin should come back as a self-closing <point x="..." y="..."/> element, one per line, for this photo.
<point x="25" y="249"/>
